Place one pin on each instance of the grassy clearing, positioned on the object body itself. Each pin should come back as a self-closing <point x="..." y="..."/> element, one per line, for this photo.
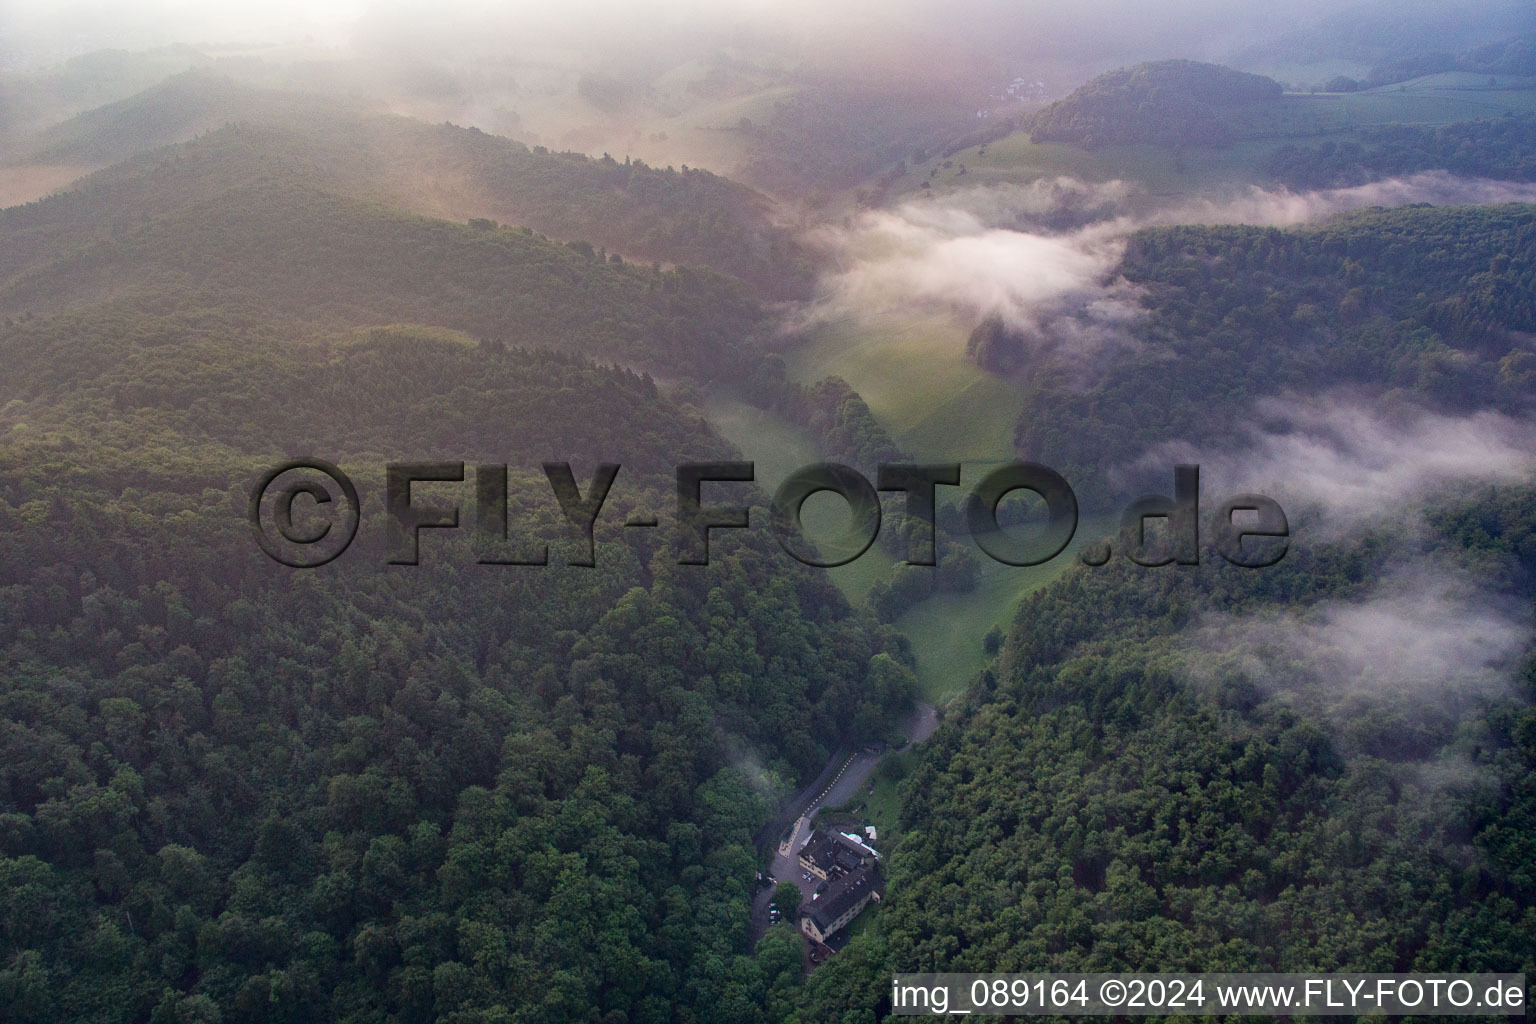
<point x="881" y="798"/>
<point x="914" y="374"/>
<point x="776" y="445"/>
<point x="1293" y="73"/>
<point x="779" y="447"/>
<point x="855" y="578"/>
<point x="947" y="630"/>
<point x="864" y="922"/>
<point x="1303" y="115"/>
<point x="1161" y="171"/>
<point x="938" y="405"/>
<point x="883" y="808"/>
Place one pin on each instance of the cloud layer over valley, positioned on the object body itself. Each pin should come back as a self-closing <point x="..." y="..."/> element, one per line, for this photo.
<point x="1347" y="466"/>
<point x="994" y="251"/>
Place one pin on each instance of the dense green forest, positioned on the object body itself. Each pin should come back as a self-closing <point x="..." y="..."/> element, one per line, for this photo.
<point x="830" y="134"/>
<point x="1182" y="769"/>
<point x="1513" y="56"/>
<point x="314" y="259"/>
<point x="1503" y="148"/>
<point x="1130" y="789"/>
<point x="1168" y="102"/>
<point x="469" y="791"/>
<point x="254" y="136"/>
<point x="1436" y="304"/>
<point x="235" y="791"/>
<point x="994" y="347"/>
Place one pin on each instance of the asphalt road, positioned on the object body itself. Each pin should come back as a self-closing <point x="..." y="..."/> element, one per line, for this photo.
<point x="838" y="782"/>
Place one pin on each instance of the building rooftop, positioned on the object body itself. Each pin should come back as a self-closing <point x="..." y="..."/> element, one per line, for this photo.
<point x="835" y="851"/>
<point x="860" y="844"/>
<point x="845" y="893"/>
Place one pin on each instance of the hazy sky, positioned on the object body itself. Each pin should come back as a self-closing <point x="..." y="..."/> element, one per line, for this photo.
<point x="41" y="31"/>
<point x="1086" y="35"/>
<point x="37" y="31"/>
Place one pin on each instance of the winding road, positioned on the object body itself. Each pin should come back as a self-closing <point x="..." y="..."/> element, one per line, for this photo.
<point x="844" y="773"/>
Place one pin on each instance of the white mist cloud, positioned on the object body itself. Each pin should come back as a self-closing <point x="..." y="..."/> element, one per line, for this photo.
<point x="1351" y="464"/>
<point x="1424" y="631"/>
<point x="1284" y="208"/>
<point x="1392" y="671"/>
<point x="948" y="259"/>
<point x="979" y="253"/>
<point x="1395" y="668"/>
<point x="992" y="251"/>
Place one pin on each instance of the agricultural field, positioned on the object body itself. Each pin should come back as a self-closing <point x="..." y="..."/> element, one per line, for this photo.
<point x="1294" y="118"/>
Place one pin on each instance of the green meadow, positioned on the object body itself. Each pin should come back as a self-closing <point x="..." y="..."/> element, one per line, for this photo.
<point x="916" y="379"/>
<point x="778" y="447"/>
<point x="938" y="406"/>
<point x="947" y="630"/>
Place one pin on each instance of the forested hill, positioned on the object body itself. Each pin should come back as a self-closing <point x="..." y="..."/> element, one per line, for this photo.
<point x="178" y="109"/>
<point x="1433" y="303"/>
<point x="1501" y="147"/>
<point x="33" y="100"/>
<point x="1172" y="770"/>
<point x="1167" y="102"/>
<point x="684" y="216"/>
<point x="309" y="259"/>
<point x="235" y="791"/>
<point x="113" y="380"/>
